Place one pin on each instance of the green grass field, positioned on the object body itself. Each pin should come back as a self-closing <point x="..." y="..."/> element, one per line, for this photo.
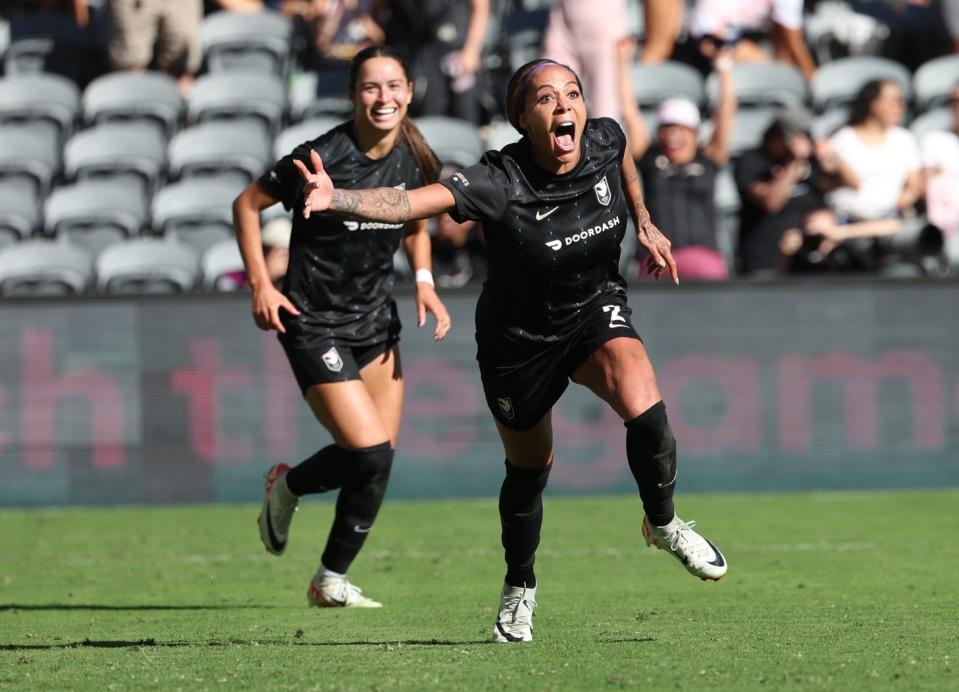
<point x="825" y="592"/>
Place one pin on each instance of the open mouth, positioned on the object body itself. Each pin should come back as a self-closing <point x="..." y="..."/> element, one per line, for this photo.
<point x="384" y="113"/>
<point x="565" y="134"/>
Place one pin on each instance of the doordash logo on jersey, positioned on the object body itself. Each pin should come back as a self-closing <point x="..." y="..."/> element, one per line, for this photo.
<point x="556" y="245"/>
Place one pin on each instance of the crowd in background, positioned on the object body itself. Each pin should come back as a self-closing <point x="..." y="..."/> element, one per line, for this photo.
<point x="866" y="194"/>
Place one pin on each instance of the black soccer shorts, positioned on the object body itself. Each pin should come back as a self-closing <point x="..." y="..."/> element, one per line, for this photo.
<point x="332" y="361"/>
<point x="523" y="379"/>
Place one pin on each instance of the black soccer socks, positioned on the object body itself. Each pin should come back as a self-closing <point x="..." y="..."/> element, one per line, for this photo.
<point x="651" y="451"/>
<point x="358" y="503"/>
<point x="328" y="469"/>
<point x="521" y="515"/>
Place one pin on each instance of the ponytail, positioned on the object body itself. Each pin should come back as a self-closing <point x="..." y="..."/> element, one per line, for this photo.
<point x="412" y="139"/>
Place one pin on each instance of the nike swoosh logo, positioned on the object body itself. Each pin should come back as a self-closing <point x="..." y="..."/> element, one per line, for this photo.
<point x="507" y="635"/>
<point x="359" y="529"/>
<point x="274" y="541"/>
<point x="719" y="561"/>
<point x="540" y="215"/>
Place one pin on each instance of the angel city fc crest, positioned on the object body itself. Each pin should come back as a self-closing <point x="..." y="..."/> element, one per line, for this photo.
<point x="332" y="359"/>
<point x="602" y="192"/>
<point x="506" y="406"/>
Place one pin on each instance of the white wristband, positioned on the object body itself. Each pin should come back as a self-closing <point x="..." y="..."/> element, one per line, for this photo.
<point x="424" y="276"/>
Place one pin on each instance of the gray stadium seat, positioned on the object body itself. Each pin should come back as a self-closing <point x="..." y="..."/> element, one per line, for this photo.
<point x="151" y="96"/>
<point x="302" y="132"/>
<point x="147" y="266"/>
<point x="220" y="259"/>
<point x="934" y="81"/>
<point x="127" y="150"/>
<point x="828" y="123"/>
<point x="938" y="120"/>
<point x="197" y="212"/>
<point x="232" y="95"/>
<point x="95" y="214"/>
<point x="42" y="267"/>
<point x="837" y="83"/>
<point x="453" y="140"/>
<point x="499" y="134"/>
<point x="319" y="94"/>
<point x="763" y="84"/>
<point x="652" y="84"/>
<point x="217" y="147"/>
<point x="44" y="97"/>
<point x="19" y="211"/>
<point x="52" y="43"/>
<point x="257" y="42"/>
<point x="30" y="153"/>
<point x="749" y="128"/>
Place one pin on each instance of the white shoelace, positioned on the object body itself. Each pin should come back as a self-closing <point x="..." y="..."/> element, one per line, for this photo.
<point x="685" y="536"/>
<point x="514" y="602"/>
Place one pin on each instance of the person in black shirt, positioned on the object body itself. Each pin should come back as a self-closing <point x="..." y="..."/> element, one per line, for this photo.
<point x="336" y="318"/>
<point x="679" y="177"/>
<point x="553" y="308"/>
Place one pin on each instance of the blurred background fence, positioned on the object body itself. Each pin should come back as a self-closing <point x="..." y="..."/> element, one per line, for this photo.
<point x="794" y="385"/>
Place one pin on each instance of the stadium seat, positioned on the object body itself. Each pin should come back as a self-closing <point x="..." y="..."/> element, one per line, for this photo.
<point x="95" y="213"/>
<point x="320" y="94"/>
<point x="837" y="83"/>
<point x="828" y="123"/>
<point x="131" y="150"/>
<point x="454" y="141"/>
<point x="499" y="134"/>
<point x="654" y="83"/>
<point x="41" y="267"/>
<point x="523" y="34"/>
<point x="763" y="84"/>
<point x="46" y="97"/>
<point x="218" y="261"/>
<point x="19" y="211"/>
<point x="748" y="129"/>
<point x="220" y="147"/>
<point x="934" y="81"/>
<point x="151" y="96"/>
<point x="147" y="266"/>
<point x="242" y="41"/>
<point x="305" y="131"/>
<point x="938" y="120"/>
<point x="243" y="95"/>
<point x="52" y="43"/>
<point x="196" y="212"/>
<point x="29" y="152"/>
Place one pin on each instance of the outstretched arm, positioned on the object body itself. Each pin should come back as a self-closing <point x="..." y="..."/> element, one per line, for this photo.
<point x="376" y="204"/>
<point x="650" y="237"/>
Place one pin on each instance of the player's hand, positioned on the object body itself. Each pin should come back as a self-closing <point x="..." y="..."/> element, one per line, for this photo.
<point x="317" y="186"/>
<point x="428" y="302"/>
<point x="267" y="303"/>
<point x="658" y="247"/>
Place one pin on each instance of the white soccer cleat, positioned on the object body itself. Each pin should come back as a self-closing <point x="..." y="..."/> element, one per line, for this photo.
<point x="336" y="592"/>
<point x="277" y="512"/>
<point x="515" y="620"/>
<point x="700" y="557"/>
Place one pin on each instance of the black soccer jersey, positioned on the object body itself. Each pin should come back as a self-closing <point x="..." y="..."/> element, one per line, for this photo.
<point x="341" y="269"/>
<point x="553" y="241"/>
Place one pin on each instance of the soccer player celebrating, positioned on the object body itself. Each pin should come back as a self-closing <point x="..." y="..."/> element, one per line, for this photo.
<point x="553" y="308"/>
<point x="336" y="318"/>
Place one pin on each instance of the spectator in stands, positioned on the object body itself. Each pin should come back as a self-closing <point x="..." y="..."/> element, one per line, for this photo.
<point x="443" y="41"/>
<point x="662" y="20"/>
<point x="160" y="33"/>
<point x="940" y="162"/>
<point x="335" y="29"/>
<point x="584" y="34"/>
<point x="780" y="183"/>
<point x="679" y="176"/>
<point x="886" y="178"/>
<point x="914" y="30"/>
<point x="742" y="24"/>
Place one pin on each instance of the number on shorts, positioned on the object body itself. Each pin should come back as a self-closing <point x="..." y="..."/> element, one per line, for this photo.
<point x="615" y="319"/>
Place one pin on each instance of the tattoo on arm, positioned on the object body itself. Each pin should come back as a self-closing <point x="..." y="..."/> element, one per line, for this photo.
<point x="634" y="192"/>
<point x="377" y="204"/>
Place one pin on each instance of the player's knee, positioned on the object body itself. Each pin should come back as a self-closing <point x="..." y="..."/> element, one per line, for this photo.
<point x="372" y="465"/>
<point x="651" y="428"/>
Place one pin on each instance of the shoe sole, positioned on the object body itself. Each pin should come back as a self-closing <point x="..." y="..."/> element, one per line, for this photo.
<point x="263" y="519"/>
<point x="653" y="543"/>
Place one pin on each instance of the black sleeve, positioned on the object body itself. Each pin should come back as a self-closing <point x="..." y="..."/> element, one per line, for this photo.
<point x="480" y="191"/>
<point x="750" y="168"/>
<point x="283" y="181"/>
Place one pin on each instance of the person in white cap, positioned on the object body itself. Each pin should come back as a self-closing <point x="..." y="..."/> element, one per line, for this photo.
<point x="679" y="176"/>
